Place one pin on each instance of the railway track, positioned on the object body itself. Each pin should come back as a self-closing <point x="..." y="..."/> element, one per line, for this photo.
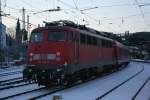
<point x="42" y="92"/>
<point x="139" y="90"/>
<point x="18" y="93"/>
<point x="11" y="68"/>
<point x="63" y="88"/>
<point x="11" y="81"/>
<point x="10" y="73"/>
<point x="121" y="84"/>
<point x="49" y="93"/>
<point x="138" y="60"/>
<point x="51" y="90"/>
<point x="14" y="85"/>
<point x="7" y="69"/>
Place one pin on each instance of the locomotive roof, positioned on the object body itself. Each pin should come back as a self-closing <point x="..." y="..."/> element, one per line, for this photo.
<point x="76" y="26"/>
<point x="66" y="25"/>
<point x="121" y="45"/>
<point x="80" y="31"/>
<point x="91" y="32"/>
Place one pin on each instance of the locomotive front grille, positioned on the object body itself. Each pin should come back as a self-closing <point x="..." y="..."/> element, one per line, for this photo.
<point x="43" y="56"/>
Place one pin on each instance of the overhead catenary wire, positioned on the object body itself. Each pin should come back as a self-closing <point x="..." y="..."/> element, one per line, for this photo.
<point x="49" y="10"/>
<point x="116" y="5"/>
<point x="15" y="18"/>
<point x="83" y="19"/>
<point x="89" y="8"/>
<point x="142" y="14"/>
<point x="94" y="19"/>
<point x="28" y="4"/>
<point x="129" y="16"/>
<point x="116" y="18"/>
<point x="28" y="11"/>
<point x="76" y="9"/>
<point x="18" y="9"/>
<point x="75" y="4"/>
<point x="34" y="12"/>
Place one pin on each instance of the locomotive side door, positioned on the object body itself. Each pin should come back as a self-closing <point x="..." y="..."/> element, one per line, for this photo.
<point x="75" y="38"/>
<point x="115" y="52"/>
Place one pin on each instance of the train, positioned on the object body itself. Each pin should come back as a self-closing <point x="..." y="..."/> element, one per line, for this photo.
<point x="62" y="52"/>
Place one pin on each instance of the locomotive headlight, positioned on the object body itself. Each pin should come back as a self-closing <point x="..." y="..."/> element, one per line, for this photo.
<point x="57" y="53"/>
<point x="31" y="54"/>
<point x="57" y="56"/>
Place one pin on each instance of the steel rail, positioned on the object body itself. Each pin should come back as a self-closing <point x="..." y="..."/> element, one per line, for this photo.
<point x="119" y="85"/>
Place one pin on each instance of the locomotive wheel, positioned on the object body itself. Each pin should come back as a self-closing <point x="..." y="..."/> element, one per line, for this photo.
<point x="68" y="81"/>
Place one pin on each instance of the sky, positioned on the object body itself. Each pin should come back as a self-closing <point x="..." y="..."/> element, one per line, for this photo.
<point x="117" y="16"/>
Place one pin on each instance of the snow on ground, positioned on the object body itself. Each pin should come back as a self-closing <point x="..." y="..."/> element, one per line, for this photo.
<point x="145" y="92"/>
<point x="93" y="89"/>
<point x="10" y="70"/>
<point x="128" y="90"/>
<point x="13" y="91"/>
<point x="11" y="77"/>
<point x="30" y="95"/>
<point x="11" y="85"/>
<point x="27" y="96"/>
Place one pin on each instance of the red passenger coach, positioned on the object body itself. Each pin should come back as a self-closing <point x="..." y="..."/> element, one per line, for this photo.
<point x="62" y="52"/>
<point x="122" y="53"/>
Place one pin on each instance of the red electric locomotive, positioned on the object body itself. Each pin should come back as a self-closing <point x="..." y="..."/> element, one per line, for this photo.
<point x="62" y="52"/>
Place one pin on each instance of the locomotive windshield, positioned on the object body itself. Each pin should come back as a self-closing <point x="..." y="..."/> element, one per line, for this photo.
<point x="57" y="36"/>
<point x="36" y="37"/>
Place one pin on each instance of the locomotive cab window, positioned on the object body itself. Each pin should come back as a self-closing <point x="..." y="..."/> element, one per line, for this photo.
<point x="57" y="36"/>
<point x="37" y="37"/>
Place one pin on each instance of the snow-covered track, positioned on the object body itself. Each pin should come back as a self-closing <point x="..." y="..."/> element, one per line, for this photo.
<point x="18" y="93"/>
<point x="61" y="88"/>
<point x="11" y="68"/>
<point x="53" y="90"/>
<point x="139" y="90"/>
<point x="13" y="86"/>
<point x="139" y="60"/>
<point x="121" y="84"/>
<point x="10" y="73"/>
<point x="11" y="81"/>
